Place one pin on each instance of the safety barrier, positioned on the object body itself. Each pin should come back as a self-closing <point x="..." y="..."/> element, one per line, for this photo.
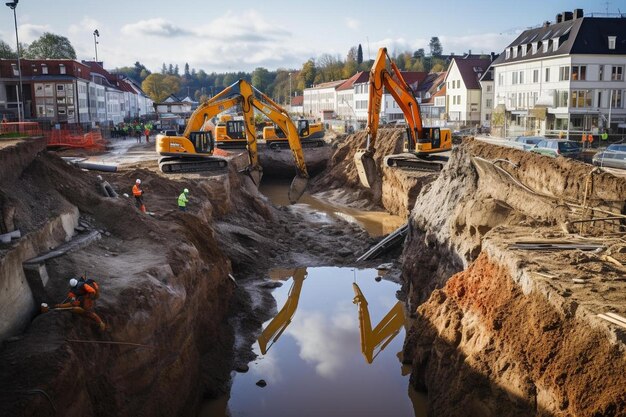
<point x="20" y="129"/>
<point x="92" y="140"/>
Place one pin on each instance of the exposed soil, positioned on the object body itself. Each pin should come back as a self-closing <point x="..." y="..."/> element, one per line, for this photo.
<point x="166" y="292"/>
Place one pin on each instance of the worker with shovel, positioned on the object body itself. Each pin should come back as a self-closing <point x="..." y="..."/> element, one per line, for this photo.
<point x="138" y="193"/>
<point x="80" y="300"/>
<point x="183" y="199"/>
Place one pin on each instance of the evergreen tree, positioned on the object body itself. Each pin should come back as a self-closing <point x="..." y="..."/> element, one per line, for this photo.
<point x="435" y="46"/>
<point x="163" y="69"/>
<point x="359" y="55"/>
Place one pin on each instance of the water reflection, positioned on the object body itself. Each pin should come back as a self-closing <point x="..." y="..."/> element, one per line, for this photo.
<point x="385" y="330"/>
<point x="377" y="223"/>
<point x="317" y="367"/>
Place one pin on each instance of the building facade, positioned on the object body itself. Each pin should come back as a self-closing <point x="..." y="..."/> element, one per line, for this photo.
<point x="463" y="91"/>
<point x="564" y="78"/>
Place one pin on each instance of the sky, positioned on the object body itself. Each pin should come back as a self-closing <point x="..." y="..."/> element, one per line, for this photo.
<point x="241" y="35"/>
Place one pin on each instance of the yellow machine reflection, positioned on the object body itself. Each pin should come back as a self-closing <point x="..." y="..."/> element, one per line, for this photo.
<point x="381" y="335"/>
<point x="277" y="326"/>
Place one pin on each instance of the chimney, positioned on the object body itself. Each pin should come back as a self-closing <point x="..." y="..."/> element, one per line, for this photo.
<point x="546" y="24"/>
<point x="493" y="56"/>
<point x="568" y="16"/>
<point x="559" y="18"/>
<point x="578" y="13"/>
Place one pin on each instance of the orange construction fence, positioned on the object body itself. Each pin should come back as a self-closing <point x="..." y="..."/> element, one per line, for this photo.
<point x="63" y="137"/>
<point x="21" y="128"/>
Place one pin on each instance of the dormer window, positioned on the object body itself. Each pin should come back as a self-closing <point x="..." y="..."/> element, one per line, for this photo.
<point x="555" y="44"/>
<point x="515" y="53"/>
<point x="612" y="41"/>
<point x="508" y="53"/>
<point x="534" y="46"/>
<point x="546" y="45"/>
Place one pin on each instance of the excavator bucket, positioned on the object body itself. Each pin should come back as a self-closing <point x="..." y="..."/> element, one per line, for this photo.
<point x="298" y="185"/>
<point x="366" y="167"/>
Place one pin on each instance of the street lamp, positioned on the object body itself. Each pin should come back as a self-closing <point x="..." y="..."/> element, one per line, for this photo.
<point x="95" y="42"/>
<point x="289" y="102"/>
<point x="20" y="116"/>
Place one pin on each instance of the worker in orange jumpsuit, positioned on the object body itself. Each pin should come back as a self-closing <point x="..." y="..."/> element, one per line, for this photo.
<point x="138" y="193"/>
<point x="81" y="299"/>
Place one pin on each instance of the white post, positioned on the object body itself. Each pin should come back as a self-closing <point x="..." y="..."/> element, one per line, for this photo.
<point x="610" y="107"/>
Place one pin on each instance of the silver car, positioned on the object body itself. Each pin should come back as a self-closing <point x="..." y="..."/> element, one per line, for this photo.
<point x="527" y="142"/>
<point x="614" y="156"/>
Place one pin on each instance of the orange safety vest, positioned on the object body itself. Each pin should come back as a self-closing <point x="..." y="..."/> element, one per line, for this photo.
<point x="137" y="191"/>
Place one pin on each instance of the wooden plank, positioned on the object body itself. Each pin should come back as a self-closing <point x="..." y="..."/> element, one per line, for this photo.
<point x="617" y="317"/>
<point x="612" y="320"/>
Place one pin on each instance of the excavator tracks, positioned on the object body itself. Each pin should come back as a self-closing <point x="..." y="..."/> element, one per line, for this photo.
<point x="212" y="165"/>
<point x="413" y="162"/>
<point x="235" y="144"/>
<point x="306" y="143"/>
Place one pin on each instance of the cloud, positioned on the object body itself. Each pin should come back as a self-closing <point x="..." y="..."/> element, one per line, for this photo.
<point x="477" y="43"/>
<point x="246" y="26"/>
<point x="86" y="25"/>
<point x="352" y="23"/>
<point x="327" y="344"/>
<point x="29" y="32"/>
<point x="154" y="27"/>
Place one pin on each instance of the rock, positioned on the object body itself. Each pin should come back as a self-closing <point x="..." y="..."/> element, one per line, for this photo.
<point x="344" y="252"/>
<point x="378" y="279"/>
<point x="384" y="267"/>
<point x="242" y="368"/>
<point x="261" y="383"/>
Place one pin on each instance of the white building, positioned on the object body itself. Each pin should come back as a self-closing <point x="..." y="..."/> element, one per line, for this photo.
<point x="566" y="77"/>
<point x="345" y="96"/>
<point x="487" y="97"/>
<point x="320" y="101"/>
<point x="463" y="93"/>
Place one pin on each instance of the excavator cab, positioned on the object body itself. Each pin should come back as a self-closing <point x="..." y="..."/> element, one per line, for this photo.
<point x="203" y="142"/>
<point x="303" y="128"/>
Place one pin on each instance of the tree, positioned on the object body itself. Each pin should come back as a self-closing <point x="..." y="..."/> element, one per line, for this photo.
<point x="6" y="51"/>
<point x="419" y="54"/>
<point x="50" y="46"/>
<point x="159" y="86"/>
<point x="359" y="55"/>
<point x="170" y="70"/>
<point x="435" y="46"/>
<point x="176" y="70"/>
<point x="163" y="69"/>
<point x="186" y="73"/>
<point x="261" y="79"/>
<point x="306" y="77"/>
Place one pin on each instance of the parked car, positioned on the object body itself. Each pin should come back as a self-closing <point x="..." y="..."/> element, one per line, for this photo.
<point x="558" y="147"/>
<point x="613" y="157"/>
<point x="527" y="142"/>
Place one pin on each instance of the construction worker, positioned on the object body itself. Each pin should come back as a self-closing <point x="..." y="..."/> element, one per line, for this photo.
<point x="138" y="193"/>
<point x="81" y="299"/>
<point x="604" y="137"/>
<point x="183" y="199"/>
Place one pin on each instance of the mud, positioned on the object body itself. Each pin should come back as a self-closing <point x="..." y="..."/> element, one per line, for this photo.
<point x="166" y="292"/>
<point x="500" y="331"/>
<point x="395" y="193"/>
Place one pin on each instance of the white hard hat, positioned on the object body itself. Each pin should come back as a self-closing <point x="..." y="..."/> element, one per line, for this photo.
<point x="185" y="191"/>
<point x="73" y="282"/>
<point x="138" y="181"/>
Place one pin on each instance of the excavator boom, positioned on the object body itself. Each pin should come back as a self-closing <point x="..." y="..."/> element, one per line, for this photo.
<point x="420" y="141"/>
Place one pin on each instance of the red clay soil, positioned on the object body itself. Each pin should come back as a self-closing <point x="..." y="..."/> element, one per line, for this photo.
<point x="482" y="331"/>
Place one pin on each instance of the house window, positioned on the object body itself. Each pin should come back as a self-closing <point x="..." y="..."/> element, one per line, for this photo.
<point x="514" y="77"/>
<point x="547" y="75"/>
<point x="534" y="47"/>
<point x="601" y="73"/>
<point x="508" y="53"/>
<point x="521" y="77"/>
<point x="616" y="99"/>
<point x="581" y="98"/>
<point x="562" y="98"/>
<point x="545" y="46"/>
<point x="15" y="70"/>
<point x="617" y="73"/>
<point x="44" y="69"/>
<point x="515" y="53"/>
<point x="61" y="69"/>
<point x="555" y="44"/>
<point x="564" y="73"/>
<point x="488" y="103"/>
<point x="579" y="72"/>
<point x="612" y="40"/>
<point x="488" y="88"/>
<point x="500" y="79"/>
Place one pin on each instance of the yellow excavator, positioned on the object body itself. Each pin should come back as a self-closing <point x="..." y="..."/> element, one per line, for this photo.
<point x="277" y="326"/>
<point x="311" y="135"/>
<point x="230" y="133"/>
<point x="384" y="332"/>
<point x="194" y="150"/>
<point x="421" y="142"/>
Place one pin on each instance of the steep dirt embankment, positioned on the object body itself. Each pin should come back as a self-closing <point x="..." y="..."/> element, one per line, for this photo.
<point x="516" y="332"/>
<point x="165" y="290"/>
<point x="397" y="190"/>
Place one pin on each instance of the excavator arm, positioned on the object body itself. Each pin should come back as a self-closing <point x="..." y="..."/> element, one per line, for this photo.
<point x="402" y="93"/>
<point x="279" y="323"/>
<point x="384" y="332"/>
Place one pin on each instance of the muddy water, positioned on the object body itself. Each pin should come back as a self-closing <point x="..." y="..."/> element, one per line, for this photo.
<point x="377" y="223"/>
<point x="312" y="357"/>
